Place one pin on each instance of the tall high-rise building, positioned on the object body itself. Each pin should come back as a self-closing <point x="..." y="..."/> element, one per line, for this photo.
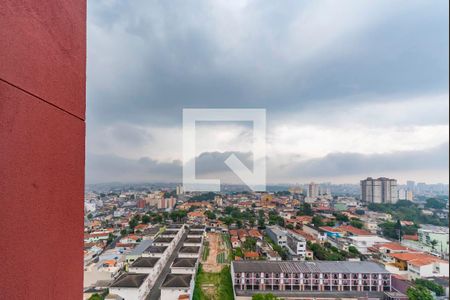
<point x="410" y="185"/>
<point x="380" y="190"/>
<point x="218" y="200"/>
<point x="313" y="190"/>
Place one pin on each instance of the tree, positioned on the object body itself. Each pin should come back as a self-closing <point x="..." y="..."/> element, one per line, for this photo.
<point x="89" y="216"/>
<point x="210" y="215"/>
<point x="133" y="222"/>
<point x="341" y="217"/>
<point x="110" y="238"/>
<point x="317" y="221"/>
<point x="357" y="223"/>
<point x="96" y="297"/>
<point x="433" y="244"/>
<point x="239" y="224"/>
<point x="145" y="219"/>
<point x="331" y="223"/>
<point x="249" y="244"/>
<point x="264" y="297"/>
<point x="419" y="293"/>
<point x="435" y="203"/>
<point x="432" y="286"/>
<point x="261" y="223"/>
<point x="305" y="210"/>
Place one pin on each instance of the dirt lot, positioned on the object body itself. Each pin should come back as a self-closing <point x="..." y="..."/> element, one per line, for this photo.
<point x="216" y="246"/>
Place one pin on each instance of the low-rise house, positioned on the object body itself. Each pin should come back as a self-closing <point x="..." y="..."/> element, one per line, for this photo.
<point x="130" y="239"/>
<point x="277" y="235"/>
<point x="419" y="264"/>
<point x="196" y="242"/>
<point x="331" y="231"/>
<point x="296" y="246"/>
<point x="131" y="286"/>
<point x="427" y="267"/>
<point x="176" y="285"/>
<point x="189" y="252"/>
<point x="145" y="265"/>
<point x="95" y="237"/>
<point x="155" y="251"/>
<point x="163" y="241"/>
<point x="184" y="265"/>
<point x="273" y="255"/>
<point x="235" y="242"/>
<point x="363" y="243"/>
<point x="251" y="255"/>
<point x="195" y="234"/>
<point x="353" y="231"/>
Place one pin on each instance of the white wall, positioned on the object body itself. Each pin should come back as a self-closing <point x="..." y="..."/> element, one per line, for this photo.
<point x="173" y="294"/>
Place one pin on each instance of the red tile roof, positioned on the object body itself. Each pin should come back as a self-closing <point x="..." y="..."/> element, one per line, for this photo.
<point x="354" y="230"/>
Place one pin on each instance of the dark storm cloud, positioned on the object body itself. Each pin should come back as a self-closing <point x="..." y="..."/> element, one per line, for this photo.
<point x="336" y="164"/>
<point x="109" y="168"/>
<point x="104" y="168"/>
<point x="150" y="59"/>
<point x="318" y="62"/>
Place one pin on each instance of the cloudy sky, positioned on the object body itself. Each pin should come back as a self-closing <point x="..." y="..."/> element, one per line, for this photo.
<point x="351" y="88"/>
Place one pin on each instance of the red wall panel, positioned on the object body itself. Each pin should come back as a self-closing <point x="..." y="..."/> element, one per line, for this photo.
<point x="42" y="141"/>
<point x="43" y="50"/>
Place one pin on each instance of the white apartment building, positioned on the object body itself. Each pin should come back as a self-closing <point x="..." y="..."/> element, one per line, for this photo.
<point x="296" y="245"/>
<point x="277" y="235"/>
<point x="380" y="190"/>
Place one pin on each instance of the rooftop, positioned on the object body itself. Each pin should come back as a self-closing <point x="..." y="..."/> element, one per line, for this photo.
<point x="145" y="262"/>
<point x="129" y="280"/>
<point x="195" y="233"/>
<point x="177" y="280"/>
<point x="308" y="267"/>
<point x="354" y="230"/>
<point x="276" y="230"/>
<point x="180" y="262"/>
<point x="170" y="232"/>
<point x="156" y="249"/>
<point x="189" y="249"/>
<point x="193" y="240"/>
<point x="163" y="240"/>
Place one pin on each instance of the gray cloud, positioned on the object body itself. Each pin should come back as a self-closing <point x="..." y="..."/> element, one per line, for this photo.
<point x="316" y="62"/>
<point x="107" y="168"/>
<point x="149" y="59"/>
<point x="337" y="164"/>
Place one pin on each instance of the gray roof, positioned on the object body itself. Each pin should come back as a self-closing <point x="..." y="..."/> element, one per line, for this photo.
<point x="308" y="266"/>
<point x="145" y="262"/>
<point x="189" y="249"/>
<point x="156" y="249"/>
<point x="175" y="226"/>
<point x="177" y="280"/>
<point x="181" y="262"/>
<point x="163" y="240"/>
<point x="193" y="240"/>
<point x="129" y="280"/>
<point x="170" y="232"/>
<point x="195" y="233"/>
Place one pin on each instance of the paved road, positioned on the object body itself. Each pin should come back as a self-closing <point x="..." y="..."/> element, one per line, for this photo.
<point x="155" y="292"/>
